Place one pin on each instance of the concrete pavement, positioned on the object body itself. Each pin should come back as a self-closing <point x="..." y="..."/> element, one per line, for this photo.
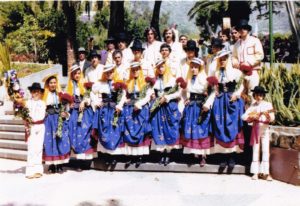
<point x="91" y="188"/>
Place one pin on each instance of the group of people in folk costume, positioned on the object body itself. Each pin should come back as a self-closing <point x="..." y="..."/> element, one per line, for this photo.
<point x="154" y="96"/>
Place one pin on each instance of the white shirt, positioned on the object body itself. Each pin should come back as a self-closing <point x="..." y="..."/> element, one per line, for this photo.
<point x="127" y="56"/>
<point x="37" y="109"/>
<point x="177" y="52"/>
<point x="152" y="52"/>
<point x="81" y="64"/>
<point x="123" y="71"/>
<point x="184" y="68"/>
<point x="262" y="106"/>
<point x="94" y="74"/>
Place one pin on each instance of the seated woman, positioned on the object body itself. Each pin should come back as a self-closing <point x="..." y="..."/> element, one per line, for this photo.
<point x="165" y="118"/>
<point x="196" y="116"/>
<point x="56" y="149"/>
<point x="81" y="118"/>
<point x="108" y="121"/>
<point x="227" y="110"/>
<point x="136" y="115"/>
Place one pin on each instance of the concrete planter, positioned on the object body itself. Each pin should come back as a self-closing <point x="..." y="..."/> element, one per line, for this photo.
<point x="285" y="154"/>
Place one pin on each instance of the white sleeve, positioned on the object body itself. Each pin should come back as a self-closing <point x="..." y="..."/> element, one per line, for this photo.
<point x="210" y="100"/>
<point x="122" y="101"/>
<point x="173" y="96"/>
<point x="145" y="100"/>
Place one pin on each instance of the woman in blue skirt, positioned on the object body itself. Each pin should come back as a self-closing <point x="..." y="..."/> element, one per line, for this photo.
<point x="56" y="148"/>
<point x="81" y="117"/>
<point x="136" y="114"/>
<point x="228" y="109"/>
<point x="196" y="116"/>
<point x="165" y="119"/>
<point x="108" y="121"/>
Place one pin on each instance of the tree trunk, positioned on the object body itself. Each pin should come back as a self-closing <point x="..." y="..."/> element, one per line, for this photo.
<point x="155" y="18"/>
<point x="292" y="12"/>
<point x="69" y="9"/>
<point x="238" y="10"/>
<point x="116" y="20"/>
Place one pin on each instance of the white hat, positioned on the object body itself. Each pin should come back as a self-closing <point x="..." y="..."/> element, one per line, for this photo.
<point x="159" y="62"/>
<point x="197" y="61"/>
<point x="74" y="67"/>
<point x="108" y="67"/>
<point x="222" y="53"/>
<point x="81" y="49"/>
<point x="135" y="64"/>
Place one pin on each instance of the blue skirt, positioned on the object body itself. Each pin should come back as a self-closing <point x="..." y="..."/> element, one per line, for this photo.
<point x="56" y="150"/>
<point x="80" y="133"/>
<point x="227" y="120"/>
<point x="165" y="124"/>
<point x="109" y="136"/>
<point x="136" y="125"/>
<point x="195" y="134"/>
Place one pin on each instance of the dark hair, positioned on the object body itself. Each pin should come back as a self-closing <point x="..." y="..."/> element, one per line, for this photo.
<point x="173" y="34"/>
<point x="182" y="36"/>
<point x="164" y="45"/>
<point x="263" y="94"/>
<point x="226" y="32"/>
<point x="150" y="29"/>
<point x="49" y="79"/>
<point x="117" y="52"/>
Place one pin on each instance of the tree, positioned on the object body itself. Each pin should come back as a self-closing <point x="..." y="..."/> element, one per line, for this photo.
<point x="116" y="20"/>
<point x="294" y="16"/>
<point x="155" y="18"/>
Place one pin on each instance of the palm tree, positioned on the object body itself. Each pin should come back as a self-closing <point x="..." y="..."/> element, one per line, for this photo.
<point x="155" y="18"/>
<point x="293" y="9"/>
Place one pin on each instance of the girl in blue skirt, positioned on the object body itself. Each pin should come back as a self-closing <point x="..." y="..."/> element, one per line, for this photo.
<point x="165" y="118"/>
<point x="108" y="122"/>
<point x="56" y="148"/>
<point x="136" y="114"/>
<point x="196" y="116"/>
<point x="228" y="109"/>
<point x="81" y="117"/>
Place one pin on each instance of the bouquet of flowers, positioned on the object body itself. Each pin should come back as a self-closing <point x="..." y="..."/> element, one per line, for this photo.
<point x="118" y="87"/>
<point x="65" y="99"/>
<point x="149" y="83"/>
<point x="246" y="69"/>
<point x="179" y="83"/>
<point x="88" y="88"/>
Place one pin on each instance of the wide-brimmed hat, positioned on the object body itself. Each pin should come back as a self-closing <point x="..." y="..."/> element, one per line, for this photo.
<point x="108" y="67"/>
<point x="223" y="53"/>
<point x="259" y="90"/>
<point x="243" y="24"/>
<point x="110" y="40"/>
<point x="50" y="76"/>
<point x="81" y="50"/>
<point x="197" y="61"/>
<point x="137" y="45"/>
<point x="122" y="37"/>
<point x="217" y="43"/>
<point x="159" y="62"/>
<point x="191" y="46"/>
<point x="75" y="67"/>
<point x="95" y="53"/>
<point x="36" y="86"/>
<point x="135" y="65"/>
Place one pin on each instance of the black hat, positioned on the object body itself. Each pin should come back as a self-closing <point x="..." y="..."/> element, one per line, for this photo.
<point x="95" y="53"/>
<point x="259" y="90"/>
<point x="191" y="46"/>
<point x="122" y="37"/>
<point x="217" y="43"/>
<point x="243" y="24"/>
<point x="36" y="86"/>
<point x="137" y="45"/>
<point x="110" y="40"/>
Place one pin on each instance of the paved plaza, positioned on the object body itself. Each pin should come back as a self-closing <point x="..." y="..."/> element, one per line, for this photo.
<point x="91" y="188"/>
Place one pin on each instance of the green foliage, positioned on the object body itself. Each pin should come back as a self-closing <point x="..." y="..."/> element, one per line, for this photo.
<point x="284" y="92"/>
<point x="4" y="59"/>
<point x="100" y="25"/>
<point x="30" y="38"/>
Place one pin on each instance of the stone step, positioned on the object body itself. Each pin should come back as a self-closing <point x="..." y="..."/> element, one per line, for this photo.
<point x="12" y="128"/>
<point x="12" y="135"/>
<point x="13" y="154"/>
<point x="10" y="112"/>
<point x="11" y="121"/>
<point x="99" y="164"/>
<point x="13" y="144"/>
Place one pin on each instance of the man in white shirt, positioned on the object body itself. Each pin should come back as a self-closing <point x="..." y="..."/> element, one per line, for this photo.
<point x="151" y="53"/>
<point x="94" y="72"/>
<point x="106" y="55"/>
<point x="177" y="51"/>
<point x="123" y="40"/>
<point x="247" y="55"/>
<point x="191" y="51"/>
<point x="122" y="68"/>
<point x="82" y="61"/>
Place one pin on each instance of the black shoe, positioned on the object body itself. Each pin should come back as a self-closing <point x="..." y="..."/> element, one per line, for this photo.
<point x="231" y="162"/>
<point x="161" y="161"/>
<point x="138" y="162"/>
<point x="202" y="161"/>
<point x="59" y="169"/>
<point x="167" y="161"/>
<point x="222" y="167"/>
<point x="52" y="169"/>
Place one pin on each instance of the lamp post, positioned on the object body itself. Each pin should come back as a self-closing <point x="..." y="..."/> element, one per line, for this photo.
<point x="271" y="32"/>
